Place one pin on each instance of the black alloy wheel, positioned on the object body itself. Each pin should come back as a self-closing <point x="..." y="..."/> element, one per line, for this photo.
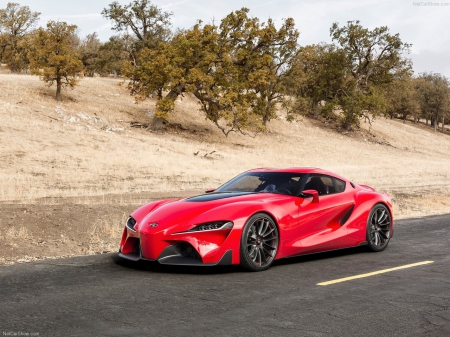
<point x="259" y="242"/>
<point x="378" y="228"/>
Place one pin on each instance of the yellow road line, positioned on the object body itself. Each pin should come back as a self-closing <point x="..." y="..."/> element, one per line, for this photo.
<point x="373" y="273"/>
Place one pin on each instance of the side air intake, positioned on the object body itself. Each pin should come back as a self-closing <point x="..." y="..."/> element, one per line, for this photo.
<point x="347" y="215"/>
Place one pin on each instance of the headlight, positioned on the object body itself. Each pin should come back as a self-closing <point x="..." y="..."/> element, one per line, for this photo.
<point x="131" y="222"/>
<point x="212" y="226"/>
<point x="209" y="226"/>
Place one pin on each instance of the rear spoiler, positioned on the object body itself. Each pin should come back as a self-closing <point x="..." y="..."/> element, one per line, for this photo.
<point x="368" y="188"/>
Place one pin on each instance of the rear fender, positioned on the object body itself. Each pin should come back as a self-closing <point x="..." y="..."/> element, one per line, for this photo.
<point x="364" y="202"/>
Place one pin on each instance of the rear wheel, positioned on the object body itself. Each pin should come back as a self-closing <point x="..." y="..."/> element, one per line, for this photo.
<point x="378" y="228"/>
<point x="259" y="242"/>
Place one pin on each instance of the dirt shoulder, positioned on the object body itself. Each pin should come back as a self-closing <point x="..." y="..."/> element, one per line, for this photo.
<point x="64" y="227"/>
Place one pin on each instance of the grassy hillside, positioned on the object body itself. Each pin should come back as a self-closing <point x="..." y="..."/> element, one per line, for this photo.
<point x="71" y="172"/>
<point x="85" y="147"/>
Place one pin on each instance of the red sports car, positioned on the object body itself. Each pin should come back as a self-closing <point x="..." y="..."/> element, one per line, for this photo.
<point x="260" y="216"/>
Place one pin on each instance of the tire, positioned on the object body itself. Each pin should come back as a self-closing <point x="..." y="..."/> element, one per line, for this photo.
<point x="378" y="228"/>
<point x="259" y="242"/>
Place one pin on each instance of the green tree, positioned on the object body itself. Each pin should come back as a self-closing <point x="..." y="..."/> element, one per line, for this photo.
<point x="374" y="58"/>
<point x="231" y="69"/>
<point x="112" y="56"/>
<point x="149" y="24"/>
<point x="54" y="56"/>
<point x="434" y="94"/>
<point x="402" y="99"/>
<point x="89" y="52"/>
<point x="16" y="22"/>
<point x="270" y="82"/>
<point x="317" y="73"/>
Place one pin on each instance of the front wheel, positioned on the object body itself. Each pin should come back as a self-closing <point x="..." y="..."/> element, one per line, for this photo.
<point x="378" y="228"/>
<point x="259" y="242"/>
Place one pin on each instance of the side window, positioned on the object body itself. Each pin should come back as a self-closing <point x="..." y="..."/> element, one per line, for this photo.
<point x="339" y="185"/>
<point x="316" y="182"/>
<point x="328" y="182"/>
<point x="325" y="184"/>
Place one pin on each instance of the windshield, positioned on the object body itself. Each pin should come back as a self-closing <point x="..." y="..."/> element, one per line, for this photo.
<point x="269" y="182"/>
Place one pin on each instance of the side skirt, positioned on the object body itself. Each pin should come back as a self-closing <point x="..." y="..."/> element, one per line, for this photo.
<point x="364" y="243"/>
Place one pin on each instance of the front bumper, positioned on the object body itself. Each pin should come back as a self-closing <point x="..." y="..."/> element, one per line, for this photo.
<point x="189" y="249"/>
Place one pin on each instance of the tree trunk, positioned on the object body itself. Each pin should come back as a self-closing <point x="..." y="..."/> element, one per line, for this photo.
<point x="266" y="111"/>
<point x="443" y="122"/>
<point x="346" y="123"/>
<point x="265" y="119"/>
<point x="115" y="73"/>
<point x="58" y="89"/>
<point x="176" y="91"/>
<point x="435" y="123"/>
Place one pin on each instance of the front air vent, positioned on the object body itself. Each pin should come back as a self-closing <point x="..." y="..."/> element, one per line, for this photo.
<point x="131" y="222"/>
<point x="186" y="250"/>
<point x="137" y="247"/>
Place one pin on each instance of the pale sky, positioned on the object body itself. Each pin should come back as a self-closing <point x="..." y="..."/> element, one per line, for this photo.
<point x="426" y="25"/>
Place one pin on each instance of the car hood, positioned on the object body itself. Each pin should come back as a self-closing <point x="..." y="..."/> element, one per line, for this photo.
<point x="183" y="214"/>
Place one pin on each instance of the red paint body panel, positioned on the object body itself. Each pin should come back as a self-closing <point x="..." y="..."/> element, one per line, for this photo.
<point x="304" y="226"/>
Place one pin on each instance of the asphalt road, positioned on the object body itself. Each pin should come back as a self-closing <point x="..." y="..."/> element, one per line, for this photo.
<point x="104" y="296"/>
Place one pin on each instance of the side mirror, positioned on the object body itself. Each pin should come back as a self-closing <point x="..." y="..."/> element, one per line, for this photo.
<point x="311" y="193"/>
<point x="209" y="190"/>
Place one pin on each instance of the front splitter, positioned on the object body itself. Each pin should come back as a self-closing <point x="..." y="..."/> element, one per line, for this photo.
<point x="170" y="257"/>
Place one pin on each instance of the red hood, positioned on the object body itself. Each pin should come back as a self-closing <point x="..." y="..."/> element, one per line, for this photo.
<point x="183" y="214"/>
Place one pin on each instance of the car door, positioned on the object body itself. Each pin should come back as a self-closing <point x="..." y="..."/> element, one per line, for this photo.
<point x="321" y="222"/>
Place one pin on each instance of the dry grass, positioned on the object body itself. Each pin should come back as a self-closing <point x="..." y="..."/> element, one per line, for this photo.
<point x="84" y="147"/>
<point x="105" y="234"/>
<point x="14" y="233"/>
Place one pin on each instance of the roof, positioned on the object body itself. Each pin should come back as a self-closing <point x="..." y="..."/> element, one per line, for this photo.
<point x="305" y="170"/>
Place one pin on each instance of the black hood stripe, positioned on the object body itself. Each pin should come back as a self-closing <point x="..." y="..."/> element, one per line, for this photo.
<point x="216" y="196"/>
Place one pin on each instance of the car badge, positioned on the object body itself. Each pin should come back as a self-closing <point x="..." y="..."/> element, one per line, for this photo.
<point x="155" y="224"/>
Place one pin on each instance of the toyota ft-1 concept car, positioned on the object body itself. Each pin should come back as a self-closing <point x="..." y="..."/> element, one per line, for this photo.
<point x="260" y="216"/>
